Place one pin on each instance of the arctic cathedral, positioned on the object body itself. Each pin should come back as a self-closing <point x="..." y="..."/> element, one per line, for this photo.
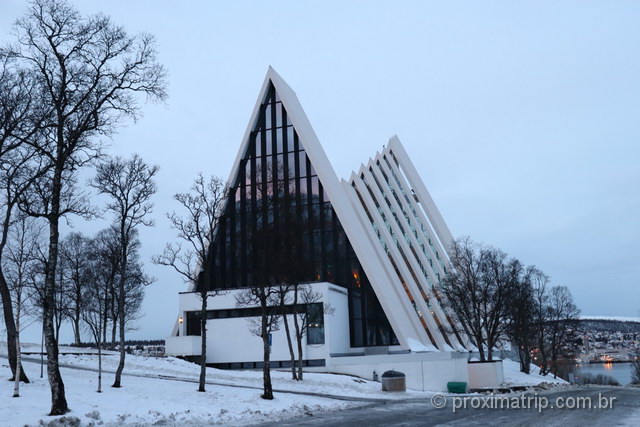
<point x="373" y="247"/>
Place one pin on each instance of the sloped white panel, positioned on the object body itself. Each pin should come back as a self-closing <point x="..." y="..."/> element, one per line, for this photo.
<point x="402" y="219"/>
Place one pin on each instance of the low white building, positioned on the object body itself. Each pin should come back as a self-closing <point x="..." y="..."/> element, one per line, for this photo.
<point x="373" y="247"/>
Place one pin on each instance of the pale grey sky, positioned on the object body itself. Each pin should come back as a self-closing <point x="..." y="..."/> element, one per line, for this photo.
<point x="523" y="118"/>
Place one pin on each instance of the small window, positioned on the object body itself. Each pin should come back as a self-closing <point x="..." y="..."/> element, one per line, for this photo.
<point x="315" y="324"/>
<point x="193" y="323"/>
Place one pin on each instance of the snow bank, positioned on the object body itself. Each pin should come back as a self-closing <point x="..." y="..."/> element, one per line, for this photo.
<point x="146" y="401"/>
<point x="342" y="385"/>
<point x="513" y="376"/>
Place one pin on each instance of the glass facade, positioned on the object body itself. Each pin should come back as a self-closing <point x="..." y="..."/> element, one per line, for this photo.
<point x="314" y="318"/>
<point x="279" y="224"/>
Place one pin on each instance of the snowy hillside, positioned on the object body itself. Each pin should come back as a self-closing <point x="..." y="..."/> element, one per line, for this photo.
<point x="612" y="318"/>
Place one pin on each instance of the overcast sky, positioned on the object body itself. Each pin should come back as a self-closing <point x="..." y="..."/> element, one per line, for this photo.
<point x="523" y="118"/>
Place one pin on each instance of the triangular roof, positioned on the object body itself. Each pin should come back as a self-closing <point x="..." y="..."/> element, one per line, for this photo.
<point x="396" y="305"/>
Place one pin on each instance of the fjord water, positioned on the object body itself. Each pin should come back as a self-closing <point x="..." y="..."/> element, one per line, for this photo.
<point x="621" y="372"/>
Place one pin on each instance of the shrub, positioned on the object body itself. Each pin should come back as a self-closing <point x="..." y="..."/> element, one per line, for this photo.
<point x="599" y="379"/>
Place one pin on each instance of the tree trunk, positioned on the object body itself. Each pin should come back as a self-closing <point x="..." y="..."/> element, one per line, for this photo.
<point x="203" y="342"/>
<point x="292" y="356"/>
<point x="58" y="324"/>
<point x="99" y="366"/>
<point x="16" y="387"/>
<point x="105" y="315"/>
<point x="299" y="338"/>
<point x="58" y="399"/>
<point x="121" y="298"/>
<point x="7" y="308"/>
<point x="114" y="329"/>
<point x="42" y="351"/>
<point x="299" y="335"/>
<point x="480" y="349"/>
<point x="525" y="360"/>
<point x="289" y="341"/>
<point x="266" y="369"/>
<point x="76" y="329"/>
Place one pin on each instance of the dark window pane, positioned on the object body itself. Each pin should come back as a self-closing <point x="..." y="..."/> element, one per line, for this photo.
<point x="327" y="216"/>
<point x="290" y="142"/>
<point x="302" y="159"/>
<point x="267" y="116"/>
<point x="280" y="166"/>
<point x="315" y="187"/>
<point x="193" y="323"/>
<point x="280" y="140"/>
<point x="267" y="141"/>
<point x="257" y="143"/>
<point x="311" y="170"/>
<point x="278" y="107"/>
<point x="291" y="164"/>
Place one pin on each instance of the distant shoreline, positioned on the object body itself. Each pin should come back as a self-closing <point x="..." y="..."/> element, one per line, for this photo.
<point x="604" y="363"/>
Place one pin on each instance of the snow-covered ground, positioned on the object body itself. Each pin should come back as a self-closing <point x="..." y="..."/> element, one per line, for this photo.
<point x="155" y="394"/>
<point x="342" y="385"/>
<point x="146" y="401"/>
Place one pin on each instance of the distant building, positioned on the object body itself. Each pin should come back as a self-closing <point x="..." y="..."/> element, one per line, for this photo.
<point x="375" y="246"/>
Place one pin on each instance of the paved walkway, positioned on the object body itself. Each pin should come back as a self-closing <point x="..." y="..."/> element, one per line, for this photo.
<point x="626" y="411"/>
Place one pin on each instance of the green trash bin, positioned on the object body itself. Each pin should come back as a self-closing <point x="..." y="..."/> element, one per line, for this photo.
<point x="457" y="387"/>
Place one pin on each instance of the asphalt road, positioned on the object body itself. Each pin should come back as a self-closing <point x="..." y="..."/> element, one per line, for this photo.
<point x="626" y="411"/>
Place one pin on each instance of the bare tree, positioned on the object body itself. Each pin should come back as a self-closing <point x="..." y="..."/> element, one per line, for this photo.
<point x="196" y="227"/>
<point x="101" y="274"/>
<point x="477" y="289"/>
<point x="266" y="296"/>
<point x="561" y="322"/>
<point x="106" y="247"/>
<point x="74" y="252"/>
<point x="20" y="117"/>
<point x="463" y="290"/>
<point x="93" y="314"/>
<point x="309" y="318"/>
<point x="284" y="297"/>
<point x="540" y="282"/>
<point x="37" y="290"/>
<point x="270" y="249"/>
<point x="521" y="325"/>
<point x="89" y="73"/>
<point x="102" y="270"/>
<point x="20" y="262"/>
<point x="129" y="185"/>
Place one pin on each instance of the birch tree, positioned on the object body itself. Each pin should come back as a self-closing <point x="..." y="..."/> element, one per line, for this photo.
<point x="20" y="262"/>
<point x="201" y="211"/>
<point x="129" y="185"/>
<point x="90" y="73"/>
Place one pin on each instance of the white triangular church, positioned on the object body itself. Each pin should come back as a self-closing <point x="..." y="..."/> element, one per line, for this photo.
<point x="375" y="248"/>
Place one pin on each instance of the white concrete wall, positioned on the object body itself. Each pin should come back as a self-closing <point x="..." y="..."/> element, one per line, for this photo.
<point x="337" y="324"/>
<point x="183" y="346"/>
<point x="424" y="371"/>
<point x="230" y="340"/>
<point x="486" y="374"/>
